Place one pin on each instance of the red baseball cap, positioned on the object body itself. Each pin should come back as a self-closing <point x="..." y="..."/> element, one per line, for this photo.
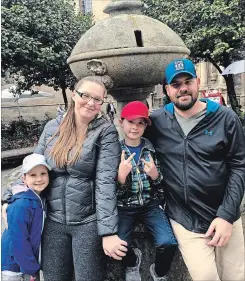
<point x="135" y="109"/>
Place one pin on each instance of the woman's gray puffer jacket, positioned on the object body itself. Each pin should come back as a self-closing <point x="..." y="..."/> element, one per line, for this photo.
<point x="85" y="191"/>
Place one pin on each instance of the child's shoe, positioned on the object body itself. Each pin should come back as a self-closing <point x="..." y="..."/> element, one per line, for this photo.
<point x="133" y="273"/>
<point x="154" y="275"/>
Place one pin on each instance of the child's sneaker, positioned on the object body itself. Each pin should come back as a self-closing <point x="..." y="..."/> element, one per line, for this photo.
<point x="154" y="275"/>
<point x="133" y="273"/>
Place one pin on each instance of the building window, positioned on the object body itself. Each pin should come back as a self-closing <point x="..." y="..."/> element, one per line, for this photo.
<point x="85" y="6"/>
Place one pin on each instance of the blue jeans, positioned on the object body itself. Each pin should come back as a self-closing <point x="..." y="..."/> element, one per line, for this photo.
<point x="152" y="216"/>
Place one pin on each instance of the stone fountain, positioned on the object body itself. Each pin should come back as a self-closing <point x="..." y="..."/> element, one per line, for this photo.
<point x="128" y="51"/>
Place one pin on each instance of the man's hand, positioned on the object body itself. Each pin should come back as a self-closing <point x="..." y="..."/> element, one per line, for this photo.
<point x="4" y="214"/>
<point x="220" y="230"/>
<point x="125" y="167"/>
<point x="150" y="168"/>
<point x="114" y="247"/>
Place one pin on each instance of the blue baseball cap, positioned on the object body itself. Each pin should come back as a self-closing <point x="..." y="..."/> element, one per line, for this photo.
<point x="178" y="66"/>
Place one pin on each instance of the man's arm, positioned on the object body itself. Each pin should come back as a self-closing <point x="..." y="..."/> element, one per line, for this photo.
<point x="221" y="227"/>
<point x="236" y="169"/>
<point x="105" y="193"/>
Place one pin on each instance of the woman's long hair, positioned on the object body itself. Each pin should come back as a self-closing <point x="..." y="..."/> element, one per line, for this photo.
<point x="68" y="146"/>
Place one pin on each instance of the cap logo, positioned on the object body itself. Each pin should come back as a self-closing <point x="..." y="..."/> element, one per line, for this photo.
<point x="179" y="65"/>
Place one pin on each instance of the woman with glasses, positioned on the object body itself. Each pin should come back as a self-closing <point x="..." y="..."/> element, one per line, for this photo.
<point x="83" y="151"/>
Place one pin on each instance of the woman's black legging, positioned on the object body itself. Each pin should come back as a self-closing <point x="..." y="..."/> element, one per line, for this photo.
<point x="72" y="249"/>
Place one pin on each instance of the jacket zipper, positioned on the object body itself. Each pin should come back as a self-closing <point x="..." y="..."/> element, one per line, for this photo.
<point x="64" y="197"/>
<point x="44" y="215"/>
<point x="140" y="181"/>
<point x="180" y="131"/>
<point x="93" y="197"/>
<point x="185" y="170"/>
<point x="141" y="187"/>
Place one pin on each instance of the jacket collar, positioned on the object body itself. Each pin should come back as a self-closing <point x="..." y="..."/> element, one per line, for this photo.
<point x="211" y="106"/>
<point x="99" y="120"/>
<point x="146" y="144"/>
<point x="29" y="194"/>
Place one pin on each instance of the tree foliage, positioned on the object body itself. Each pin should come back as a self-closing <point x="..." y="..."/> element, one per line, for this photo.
<point x="37" y="38"/>
<point x="213" y="30"/>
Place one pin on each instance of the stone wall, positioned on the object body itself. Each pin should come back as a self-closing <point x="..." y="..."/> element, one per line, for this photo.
<point x="36" y="107"/>
<point x="32" y="107"/>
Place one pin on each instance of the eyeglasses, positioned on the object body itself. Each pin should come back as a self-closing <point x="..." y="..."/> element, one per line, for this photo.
<point x="87" y="97"/>
<point x="178" y="85"/>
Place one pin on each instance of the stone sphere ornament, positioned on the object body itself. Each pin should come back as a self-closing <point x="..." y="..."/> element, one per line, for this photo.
<point x="130" y="48"/>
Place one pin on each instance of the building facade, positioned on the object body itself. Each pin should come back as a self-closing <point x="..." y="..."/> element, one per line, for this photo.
<point x="94" y="7"/>
<point x="211" y="80"/>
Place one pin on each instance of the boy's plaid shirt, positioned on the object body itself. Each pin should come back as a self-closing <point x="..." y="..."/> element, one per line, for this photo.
<point x="139" y="188"/>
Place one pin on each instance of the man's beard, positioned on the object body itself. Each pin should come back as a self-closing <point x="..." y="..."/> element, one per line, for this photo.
<point x="185" y="106"/>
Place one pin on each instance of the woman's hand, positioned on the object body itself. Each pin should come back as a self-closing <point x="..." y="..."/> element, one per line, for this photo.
<point x="4" y="214"/>
<point x="125" y="167"/>
<point x="114" y="247"/>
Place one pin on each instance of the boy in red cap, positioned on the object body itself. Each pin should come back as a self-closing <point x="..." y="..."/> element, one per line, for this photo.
<point x="140" y="195"/>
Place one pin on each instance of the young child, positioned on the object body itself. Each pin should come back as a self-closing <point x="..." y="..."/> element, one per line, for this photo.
<point x="140" y="195"/>
<point x="25" y="215"/>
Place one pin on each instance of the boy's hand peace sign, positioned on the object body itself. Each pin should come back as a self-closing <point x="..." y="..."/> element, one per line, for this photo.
<point x="150" y="168"/>
<point x="125" y="167"/>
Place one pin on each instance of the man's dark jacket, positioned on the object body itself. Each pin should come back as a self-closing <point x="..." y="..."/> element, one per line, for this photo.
<point x="204" y="172"/>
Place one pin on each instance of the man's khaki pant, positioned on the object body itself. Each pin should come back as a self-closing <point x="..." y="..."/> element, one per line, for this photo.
<point x="207" y="263"/>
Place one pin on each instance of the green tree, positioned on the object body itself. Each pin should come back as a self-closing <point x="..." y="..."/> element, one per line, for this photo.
<point x="213" y="30"/>
<point x="37" y="38"/>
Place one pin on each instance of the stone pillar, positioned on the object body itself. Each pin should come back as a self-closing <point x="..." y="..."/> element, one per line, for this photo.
<point x="242" y="97"/>
<point x="203" y="75"/>
<point x="222" y="86"/>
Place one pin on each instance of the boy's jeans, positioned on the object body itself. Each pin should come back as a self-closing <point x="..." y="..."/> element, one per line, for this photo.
<point x="152" y="216"/>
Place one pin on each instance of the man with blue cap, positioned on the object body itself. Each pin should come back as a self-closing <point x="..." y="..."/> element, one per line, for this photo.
<point x="200" y="145"/>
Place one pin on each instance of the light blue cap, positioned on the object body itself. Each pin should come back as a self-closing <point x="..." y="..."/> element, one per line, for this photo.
<point x="178" y="66"/>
